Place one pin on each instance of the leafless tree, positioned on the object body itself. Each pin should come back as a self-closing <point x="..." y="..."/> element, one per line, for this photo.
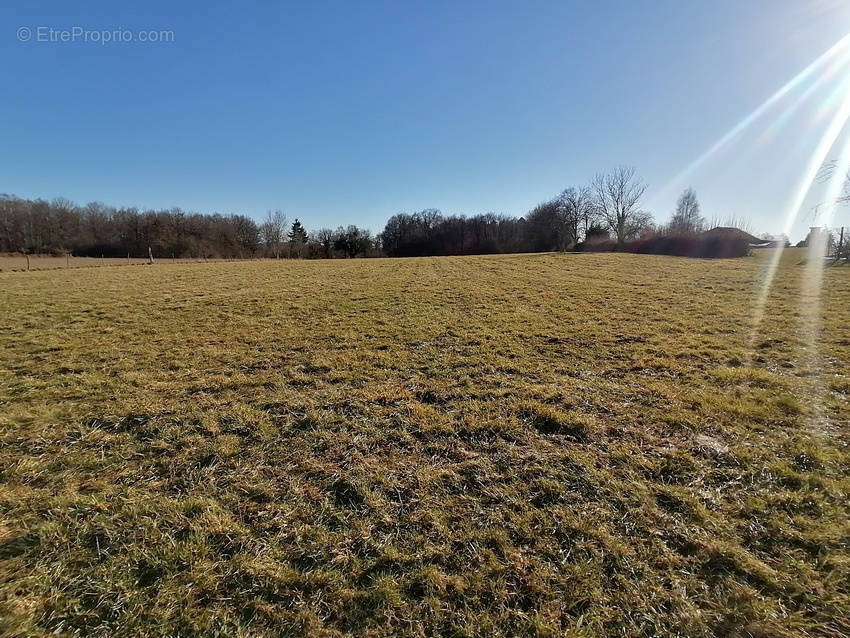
<point x="325" y="238"/>
<point x="545" y="229"/>
<point x="732" y="221"/>
<point x="577" y="206"/>
<point x="617" y="199"/>
<point x="273" y="230"/>
<point x="687" y="219"/>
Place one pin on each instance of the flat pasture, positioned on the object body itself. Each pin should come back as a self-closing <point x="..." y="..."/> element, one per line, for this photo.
<point x="17" y="262"/>
<point x="589" y="444"/>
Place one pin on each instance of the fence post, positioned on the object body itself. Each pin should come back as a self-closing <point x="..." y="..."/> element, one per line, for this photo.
<point x="150" y="255"/>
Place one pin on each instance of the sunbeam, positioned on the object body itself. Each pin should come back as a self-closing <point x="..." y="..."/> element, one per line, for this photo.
<point x="839" y="49"/>
<point x="812" y="285"/>
<point x="839" y="64"/>
<point x="814" y="165"/>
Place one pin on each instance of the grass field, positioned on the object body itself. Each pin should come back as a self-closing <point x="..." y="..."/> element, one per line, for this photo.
<point x="18" y="262"/>
<point x="533" y="444"/>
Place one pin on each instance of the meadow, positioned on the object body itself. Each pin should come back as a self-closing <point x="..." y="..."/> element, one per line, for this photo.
<point x="580" y="444"/>
<point x="17" y="262"/>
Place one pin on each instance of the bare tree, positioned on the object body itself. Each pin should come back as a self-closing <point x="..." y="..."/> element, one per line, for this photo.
<point x="617" y="199"/>
<point x="687" y="219"/>
<point x="577" y="207"/>
<point x="325" y="238"/>
<point x="732" y="221"/>
<point x="544" y="228"/>
<point x="273" y="230"/>
<point x="353" y="241"/>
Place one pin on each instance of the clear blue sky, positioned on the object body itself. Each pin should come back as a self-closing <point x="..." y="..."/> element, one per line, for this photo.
<point x="350" y="112"/>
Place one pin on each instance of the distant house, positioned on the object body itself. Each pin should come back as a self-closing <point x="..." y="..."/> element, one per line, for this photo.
<point x="736" y="234"/>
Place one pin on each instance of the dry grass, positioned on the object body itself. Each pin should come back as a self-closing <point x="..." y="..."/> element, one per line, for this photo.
<point x="18" y="262"/>
<point x="535" y="444"/>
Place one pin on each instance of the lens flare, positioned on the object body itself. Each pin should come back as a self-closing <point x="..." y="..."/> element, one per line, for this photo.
<point x="783" y="118"/>
<point x="839" y="50"/>
<point x="812" y="285"/>
<point x="813" y="167"/>
<point x="810" y="314"/>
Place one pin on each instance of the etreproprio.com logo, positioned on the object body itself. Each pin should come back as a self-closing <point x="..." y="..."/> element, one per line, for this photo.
<point x="93" y="36"/>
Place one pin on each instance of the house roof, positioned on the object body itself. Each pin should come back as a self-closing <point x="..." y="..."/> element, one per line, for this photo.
<point x="728" y="232"/>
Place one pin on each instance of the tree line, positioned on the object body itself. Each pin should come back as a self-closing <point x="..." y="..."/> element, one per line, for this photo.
<point x="608" y="207"/>
<point x="605" y="213"/>
<point x="61" y="227"/>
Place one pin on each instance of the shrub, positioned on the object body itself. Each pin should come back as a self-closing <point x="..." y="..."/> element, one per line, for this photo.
<point x="680" y="246"/>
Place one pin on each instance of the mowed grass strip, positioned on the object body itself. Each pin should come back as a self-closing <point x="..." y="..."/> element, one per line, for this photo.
<point x="501" y="445"/>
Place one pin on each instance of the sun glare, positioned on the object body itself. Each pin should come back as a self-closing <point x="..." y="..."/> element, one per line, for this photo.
<point x="834" y="60"/>
<point x="813" y="167"/>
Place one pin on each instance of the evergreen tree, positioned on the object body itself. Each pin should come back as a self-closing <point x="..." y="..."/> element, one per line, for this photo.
<point x="297" y="239"/>
<point x="297" y="234"/>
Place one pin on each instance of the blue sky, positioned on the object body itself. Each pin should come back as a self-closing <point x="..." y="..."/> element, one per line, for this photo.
<point x="351" y="112"/>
